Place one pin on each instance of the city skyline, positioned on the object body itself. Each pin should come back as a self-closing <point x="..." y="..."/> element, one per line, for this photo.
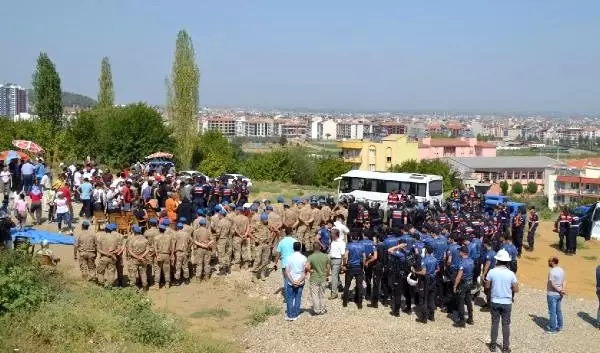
<point x="537" y="57"/>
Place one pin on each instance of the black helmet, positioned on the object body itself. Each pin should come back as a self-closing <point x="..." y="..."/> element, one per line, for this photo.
<point x="350" y="199"/>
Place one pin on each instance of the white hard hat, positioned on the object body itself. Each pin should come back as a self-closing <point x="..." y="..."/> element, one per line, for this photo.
<point x="44" y="242"/>
<point x="502" y="255"/>
<point x="411" y="282"/>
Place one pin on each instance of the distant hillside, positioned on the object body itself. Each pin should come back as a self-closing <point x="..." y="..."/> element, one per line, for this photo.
<point x="68" y="99"/>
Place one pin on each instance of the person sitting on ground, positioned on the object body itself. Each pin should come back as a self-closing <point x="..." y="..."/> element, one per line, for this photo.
<point x="45" y="251"/>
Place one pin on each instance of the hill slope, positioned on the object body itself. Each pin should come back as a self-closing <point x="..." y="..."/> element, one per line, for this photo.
<point x="68" y="99"/>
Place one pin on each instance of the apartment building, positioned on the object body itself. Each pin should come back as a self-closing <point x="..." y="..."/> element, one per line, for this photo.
<point x="13" y="100"/>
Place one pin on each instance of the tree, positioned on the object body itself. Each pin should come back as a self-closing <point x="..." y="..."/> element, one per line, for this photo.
<point x="532" y="187"/>
<point x="106" y="94"/>
<point x="184" y="95"/>
<point x="216" y="154"/>
<point x="47" y="92"/>
<point x="504" y="187"/>
<point x="439" y="167"/>
<point x="517" y="188"/>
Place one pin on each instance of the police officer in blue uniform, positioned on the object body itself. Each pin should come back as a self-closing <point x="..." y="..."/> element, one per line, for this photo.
<point x="511" y="249"/>
<point x="386" y="284"/>
<point x="427" y="276"/>
<point x="489" y="263"/>
<point x="475" y="255"/>
<point x="353" y="263"/>
<point x="462" y="288"/>
<point x="367" y="242"/>
<point x="440" y="247"/>
<point x="453" y="260"/>
<point x="397" y="275"/>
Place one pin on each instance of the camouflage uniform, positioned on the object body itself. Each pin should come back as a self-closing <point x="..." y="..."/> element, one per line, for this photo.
<point x="305" y="227"/>
<point x="262" y="249"/>
<point x="202" y="252"/>
<point x="224" y="242"/>
<point x="107" y="243"/>
<point x="85" y="243"/>
<point x="182" y="242"/>
<point x="163" y="247"/>
<point x="240" y="225"/>
<point x="137" y="268"/>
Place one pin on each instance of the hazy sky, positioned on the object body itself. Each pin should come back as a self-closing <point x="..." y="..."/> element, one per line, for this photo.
<point x="484" y="55"/>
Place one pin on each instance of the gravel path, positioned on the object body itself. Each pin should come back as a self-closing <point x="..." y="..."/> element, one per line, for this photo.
<point x="351" y="330"/>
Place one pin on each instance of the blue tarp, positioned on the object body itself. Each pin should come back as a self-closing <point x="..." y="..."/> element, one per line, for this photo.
<point x="36" y="236"/>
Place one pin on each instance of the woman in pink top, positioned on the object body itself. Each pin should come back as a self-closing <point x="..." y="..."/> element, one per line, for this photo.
<point x="21" y="211"/>
<point x="36" y="204"/>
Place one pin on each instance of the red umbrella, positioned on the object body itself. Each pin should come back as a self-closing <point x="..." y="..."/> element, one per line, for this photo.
<point x="160" y="155"/>
<point x="8" y="155"/>
<point x="28" y="146"/>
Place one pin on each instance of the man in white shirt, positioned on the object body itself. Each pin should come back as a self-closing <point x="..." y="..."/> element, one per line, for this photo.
<point x="295" y="273"/>
<point x="336" y="253"/>
<point x="339" y="225"/>
<point x="5" y="179"/>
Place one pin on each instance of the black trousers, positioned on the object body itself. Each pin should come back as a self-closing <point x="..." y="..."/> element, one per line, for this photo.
<point x="518" y="239"/>
<point x="377" y="284"/>
<point x="562" y="234"/>
<point x="358" y="275"/>
<point x="463" y="297"/>
<point x="426" y="297"/>
<point x="368" y="280"/>
<point x="386" y="286"/>
<point x="440" y="294"/>
<point x="572" y="239"/>
<point x="397" y="284"/>
<point x="476" y="270"/>
<point x="531" y="236"/>
<point x="408" y="292"/>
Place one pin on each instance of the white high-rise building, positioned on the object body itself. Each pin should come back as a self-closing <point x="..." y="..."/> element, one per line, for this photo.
<point x="13" y="100"/>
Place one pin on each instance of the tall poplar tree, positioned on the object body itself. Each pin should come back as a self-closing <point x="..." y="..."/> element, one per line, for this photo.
<point x="47" y="93"/>
<point x="106" y="94"/>
<point x="183" y="102"/>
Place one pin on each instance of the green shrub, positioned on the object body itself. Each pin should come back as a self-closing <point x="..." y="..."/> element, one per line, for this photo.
<point x="24" y="284"/>
<point x="261" y="313"/>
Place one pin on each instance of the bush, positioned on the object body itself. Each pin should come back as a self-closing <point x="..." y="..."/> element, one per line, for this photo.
<point x="261" y="313"/>
<point x="504" y="187"/>
<point x="23" y="283"/>
<point x="517" y="188"/>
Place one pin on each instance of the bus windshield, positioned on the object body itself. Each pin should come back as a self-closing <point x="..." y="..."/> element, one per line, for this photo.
<point x="348" y="185"/>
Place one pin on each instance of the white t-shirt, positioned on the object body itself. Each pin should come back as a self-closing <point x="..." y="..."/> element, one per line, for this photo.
<point x="342" y="228"/>
<point x="46" y="184"/>
<point x="296" y="264"/>
<point x="61" y="205"/>
<point x="87" y="175"/>
<point x="72" y="168"/>
<point x="337" y="249"/>
<point x="5" y="175"/>
<point x="77" y="178"/>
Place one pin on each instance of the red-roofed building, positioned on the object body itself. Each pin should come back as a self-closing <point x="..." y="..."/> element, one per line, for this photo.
<point x="431" y="148"/>
<point x="580" y="180"/>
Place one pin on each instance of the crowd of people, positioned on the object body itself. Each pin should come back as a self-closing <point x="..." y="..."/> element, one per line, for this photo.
<point x="413" y="257"/>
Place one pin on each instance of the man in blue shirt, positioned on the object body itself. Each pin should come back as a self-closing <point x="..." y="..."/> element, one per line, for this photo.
<point x="354" y="260"/>
<point x="85" y="195"/>
<point x="369" y="246"/>
<point x="396" y="261"/>
<point x="489" y="262"/>
<point x="511" y="249"/>
<point x="285" y="248"/>
<point x="427" y="274"/>
<point x="462" y="288"/>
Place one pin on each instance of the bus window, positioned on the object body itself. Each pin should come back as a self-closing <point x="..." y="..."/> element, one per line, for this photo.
<point x="389" y="186"/>
<point x="421" y="189"/>
<point x="435" y="188"/>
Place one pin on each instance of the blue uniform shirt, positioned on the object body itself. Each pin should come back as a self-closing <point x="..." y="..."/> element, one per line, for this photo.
<point x="475" y="249"/>
<point x="467" y="266"/>
<point x="427" y="239"/>
<point x="369" y="247"/>
<point x="418" y="246"/>
<point x="400" y="255"/>
<point x="356" y="251"/>
<point x="430" y="264"/>
<point x="511" y="250"/>
<point x="454" y="251"/>
<point x="390" y="241"/>
<point x="489" y="256"/>
<point x="325" y="237"/>
<point x="407" y="239"/>
<point x="440" y="246"/>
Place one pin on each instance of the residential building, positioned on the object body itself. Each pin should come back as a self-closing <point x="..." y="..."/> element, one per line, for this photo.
<point x="13" y="100"/>
<point x="378" y="154"/>
<point x="294" y="130"/>
<point x="578" y="181"/>
<point x="225" y="125"/>
<point x="431" y="148"/>
<point x="510" y="169"/>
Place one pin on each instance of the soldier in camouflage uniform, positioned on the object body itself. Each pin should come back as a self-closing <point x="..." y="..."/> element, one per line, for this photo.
<point x="181" y="249"/>
<point x="85" y="250"/>
<point x="163" y="248"/>
<point x="262" y="247"/>
<point x="138" y="249"/>
<point x="202" y="249"/>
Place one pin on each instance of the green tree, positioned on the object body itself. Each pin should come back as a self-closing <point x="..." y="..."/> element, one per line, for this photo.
<point x="216" y="154"/>
<point x="439" y="167"/>
<point x="532" y="188"/>
<point x="517" y="188"/>
<point x="327" y="169"/>
<point x="184" y="96"/>
<point x="106" y="94"/>
<point x="504" y="187"/>
<point x="47" y="92"/>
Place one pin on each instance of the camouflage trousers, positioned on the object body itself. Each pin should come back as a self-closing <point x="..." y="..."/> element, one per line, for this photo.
<point x="106" y="270"/>
<point x="182" y="261"/>
<point x="242" y="250"/>
<point x="224" y="250"/>
<point x="304" y="235"/>
<point x="162" y="265"/>
<point x="137" y="269"/>
<point x="262" y="253"/>
<point x="87" y="264"/>
<point x="202" y="262"/>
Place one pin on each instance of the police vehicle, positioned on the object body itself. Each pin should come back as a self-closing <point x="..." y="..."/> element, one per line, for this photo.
<point x="375" y="186"/>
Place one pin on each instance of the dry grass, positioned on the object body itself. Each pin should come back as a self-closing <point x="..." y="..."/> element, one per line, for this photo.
<point x="271" y="189"/>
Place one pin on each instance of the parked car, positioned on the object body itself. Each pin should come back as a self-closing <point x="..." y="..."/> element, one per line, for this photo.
<point x="191" y="174"/>
<point x="229" y="179"/>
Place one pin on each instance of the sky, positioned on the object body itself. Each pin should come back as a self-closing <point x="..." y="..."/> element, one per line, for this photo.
<point x="349" y="55"/>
